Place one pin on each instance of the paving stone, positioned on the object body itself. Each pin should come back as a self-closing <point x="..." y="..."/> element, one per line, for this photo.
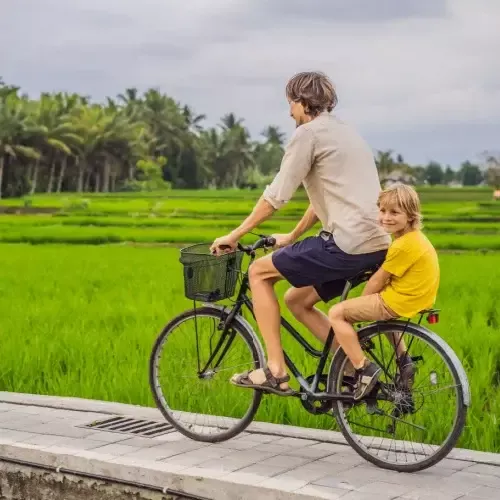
<point x="485" y="492"/>
<point x="308" y="475"/>
<point x="58" y="430"/>
<point x="26" y="422"/>
<point x="285" y="461"/>
<point x="341" y="484"/>
<point x="381" y="488"/>
<point x="345" y="458"/>
<point x="285" y="484"/>
<point x="149" y="464"/>
<point x="430" y="494"/>
<point x="358" y="495"/>
<point x="138" y="442"/>
<point x="295" y="442"/>
<point x="451" y="463"/>
<point x="490" y="470"/>
<point x="151" y="454"/>
<point x="260" y="438"/>
<point x="331" y="447"/>
<point x="252" y="455"/>
<point x="65" y="445"/>
<point x="110" y="437"/>
<point x="478" y="479"/>
<point x="308" y="452"/>
<point x="275" y="448"/>
<point x="44" y="441"/>
<point x="326" y="467"/>
<point x="240" y="444"/>
<point x="201" y="472"/>
<point x="11" y="436"/>
<point x="262" y="470"/>
<point x="115" y="449"/>
<point x="225" y="464"/>
<point x="321" y="492"/>
<point x="171" y="436"/>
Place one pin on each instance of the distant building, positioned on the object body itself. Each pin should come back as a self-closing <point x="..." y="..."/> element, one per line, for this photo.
<point x="397" y="176"/>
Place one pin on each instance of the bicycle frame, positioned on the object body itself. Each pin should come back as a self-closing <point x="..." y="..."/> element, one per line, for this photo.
<point x="308" y="390"/>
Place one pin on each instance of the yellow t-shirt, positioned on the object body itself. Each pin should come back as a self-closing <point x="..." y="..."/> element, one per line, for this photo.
<point x="413" y="263"/>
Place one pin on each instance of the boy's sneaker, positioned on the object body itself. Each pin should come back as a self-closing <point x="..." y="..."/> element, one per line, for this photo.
<point x="407" y="371"/>
<point x="366" y="378"/>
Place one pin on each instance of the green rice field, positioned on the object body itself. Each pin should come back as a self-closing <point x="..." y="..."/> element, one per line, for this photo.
<point x="88" y="282"/>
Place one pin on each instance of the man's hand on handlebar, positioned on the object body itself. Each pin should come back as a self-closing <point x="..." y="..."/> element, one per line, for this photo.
<point x="223" y="245"/>
<point x="226" y="244"/>
<point x="283" y="240"/>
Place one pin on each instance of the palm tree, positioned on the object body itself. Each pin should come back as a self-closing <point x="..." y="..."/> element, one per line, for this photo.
<point x="55" y="136"/>
<point x="274" y="135"/>
<point x="14" y="127"/>
<point x="193" y="120"/>
<point x="385" y="163"/>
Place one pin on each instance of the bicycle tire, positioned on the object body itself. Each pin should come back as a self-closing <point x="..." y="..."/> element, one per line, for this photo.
<point x="335" y="378"/>
<point x="243" y="329"/>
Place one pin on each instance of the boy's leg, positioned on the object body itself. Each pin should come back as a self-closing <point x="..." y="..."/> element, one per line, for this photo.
<point x="342" y="316"/>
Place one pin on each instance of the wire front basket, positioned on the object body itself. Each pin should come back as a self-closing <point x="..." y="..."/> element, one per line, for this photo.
<point x="207" y="277"/>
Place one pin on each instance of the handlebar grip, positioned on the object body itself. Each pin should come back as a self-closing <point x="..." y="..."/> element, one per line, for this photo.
<point x="270" y="242"/>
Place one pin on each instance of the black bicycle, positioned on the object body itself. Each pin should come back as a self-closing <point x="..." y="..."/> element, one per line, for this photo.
<point x="200" y="349"/>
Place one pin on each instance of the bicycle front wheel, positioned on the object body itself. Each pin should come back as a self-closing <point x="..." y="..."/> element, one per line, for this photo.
<point x="416" y="413"/>
<point x="190" y="367"/>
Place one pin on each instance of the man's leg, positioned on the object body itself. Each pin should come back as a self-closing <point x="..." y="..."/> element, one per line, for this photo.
<point x="301" y="302"/>
<point x="263" y="276"/>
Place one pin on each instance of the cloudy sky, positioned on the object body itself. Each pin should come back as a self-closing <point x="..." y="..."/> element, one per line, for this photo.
<point x="421" y="77"/>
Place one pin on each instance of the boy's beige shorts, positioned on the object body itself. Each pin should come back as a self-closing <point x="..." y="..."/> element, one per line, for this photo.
<point x="367" y="308"/>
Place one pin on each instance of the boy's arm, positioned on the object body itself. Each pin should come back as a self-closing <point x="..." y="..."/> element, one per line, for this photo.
<point x="377" y="282"/>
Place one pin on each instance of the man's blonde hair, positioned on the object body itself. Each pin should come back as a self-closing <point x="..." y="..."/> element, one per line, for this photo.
<point x="314" y="90"/>
<point x="406" y="199"/>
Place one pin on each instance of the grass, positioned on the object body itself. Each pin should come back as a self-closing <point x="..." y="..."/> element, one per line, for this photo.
<point x="189" y="233"/>
<point x="81" y="321"/>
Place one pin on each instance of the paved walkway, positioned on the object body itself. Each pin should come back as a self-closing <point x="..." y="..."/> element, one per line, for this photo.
<point x="267" y="462"/>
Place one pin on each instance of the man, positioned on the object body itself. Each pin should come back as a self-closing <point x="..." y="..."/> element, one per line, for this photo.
<point x="338" y="172"/>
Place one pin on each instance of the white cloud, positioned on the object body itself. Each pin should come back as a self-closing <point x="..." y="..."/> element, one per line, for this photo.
<point x="405" y="66"/>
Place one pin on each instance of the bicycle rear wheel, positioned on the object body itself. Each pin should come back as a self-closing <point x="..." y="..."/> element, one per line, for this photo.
<point x="404" y="425"/>
<point x="196" y="398"/>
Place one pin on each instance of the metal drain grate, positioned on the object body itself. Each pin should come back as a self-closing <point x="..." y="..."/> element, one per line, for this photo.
<point x="124" y="425"/>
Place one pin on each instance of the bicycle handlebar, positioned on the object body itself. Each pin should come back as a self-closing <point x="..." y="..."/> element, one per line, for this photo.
<point x="264" y="242"/>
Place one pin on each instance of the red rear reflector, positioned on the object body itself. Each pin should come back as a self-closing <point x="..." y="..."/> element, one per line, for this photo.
<point x="433" y="318"/>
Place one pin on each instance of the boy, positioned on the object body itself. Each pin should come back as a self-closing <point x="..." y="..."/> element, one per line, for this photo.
<point x="406" y="283"/>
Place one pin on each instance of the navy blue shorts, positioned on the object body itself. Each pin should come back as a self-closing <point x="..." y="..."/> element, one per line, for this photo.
<point x="317" y="261"/>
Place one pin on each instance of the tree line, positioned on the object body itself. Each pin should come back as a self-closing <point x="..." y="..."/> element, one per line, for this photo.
<point x="65" y="142"/>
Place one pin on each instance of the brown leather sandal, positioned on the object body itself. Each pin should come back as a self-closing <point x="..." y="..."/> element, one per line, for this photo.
<point x="271" y="384"/>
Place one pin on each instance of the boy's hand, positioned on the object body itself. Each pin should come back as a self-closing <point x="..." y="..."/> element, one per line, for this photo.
<point x="377" y="282"/>
<point x="282" y="240"/>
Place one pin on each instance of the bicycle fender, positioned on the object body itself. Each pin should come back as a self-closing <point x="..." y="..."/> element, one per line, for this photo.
<point x="413" y="327"/>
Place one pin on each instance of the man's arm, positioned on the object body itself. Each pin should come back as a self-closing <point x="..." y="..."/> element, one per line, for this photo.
<point x="307" y="222"/>
<point x="295" y="166"/>
<point x="377" y="282"/>
<point x="261" y="212"/>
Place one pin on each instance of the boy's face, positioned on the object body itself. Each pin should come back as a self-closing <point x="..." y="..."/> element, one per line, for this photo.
<point x="393" y="219"/>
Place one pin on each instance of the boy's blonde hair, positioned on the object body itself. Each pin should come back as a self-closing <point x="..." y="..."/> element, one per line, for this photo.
<point x="406" y="199"/>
